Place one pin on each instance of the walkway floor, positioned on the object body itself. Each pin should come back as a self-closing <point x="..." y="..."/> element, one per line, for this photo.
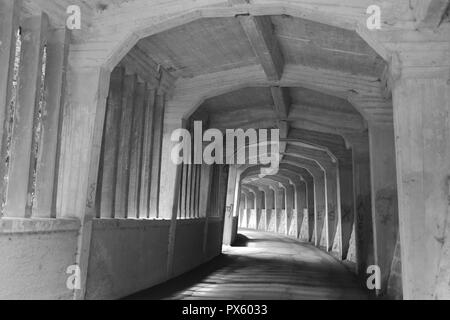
<point x="264" y="266"/>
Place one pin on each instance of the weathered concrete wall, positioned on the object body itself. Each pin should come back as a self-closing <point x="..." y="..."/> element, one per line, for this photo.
<point x="188" y="252"/>
<point x="214" y="239"/>
<point x="34" y="257"/>
<point x="126" y="256"/>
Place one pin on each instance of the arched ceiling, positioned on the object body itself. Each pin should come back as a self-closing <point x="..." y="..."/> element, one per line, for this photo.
<point x="213" y="46"/>
<point x="218" y="44"/>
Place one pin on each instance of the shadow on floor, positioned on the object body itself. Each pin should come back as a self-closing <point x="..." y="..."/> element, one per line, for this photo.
<point x="183" y="282"/>
<point x="263" y="266"/>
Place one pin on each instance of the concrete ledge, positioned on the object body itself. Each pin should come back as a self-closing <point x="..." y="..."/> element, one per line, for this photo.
<point x="128" y="223"/>
<point x="37" y="225"/>
<point x="190" y="221"/>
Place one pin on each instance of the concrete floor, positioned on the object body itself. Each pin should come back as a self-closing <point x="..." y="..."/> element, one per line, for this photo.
<point x="264" y="266"/>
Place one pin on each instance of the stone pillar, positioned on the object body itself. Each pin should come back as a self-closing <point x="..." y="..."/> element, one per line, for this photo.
<point x="243" y="210"/>
<point x="320" y="204"/>
<point x="262" y="225"/>
<point x="280" y="206"/>
<point x="136" y="151"/>
<point x="291" y="218"/>
<point x="363" y="208"/>
<point x="333" y="210"/>
<point x="301" y="209"/>
<point x="206" y="177"/>
<point x="123" y="161"/>
<point x="250" y="209"/>
<point x="422" y="127"/>
<point x="166" y="175"/>
<point x="384" y="196"/>
<point x="229" y="214"/>
<point x="20" y="177"/>
<point x="162" y="133"/>
<point x="255" y="221"/>
<point x="347" y="205"/>
<point x="189" y="169"/>
<point x="270" y="206"/>
<point x="111" y="145"/>
<point x="147" y="150"/>
<point x="81" y="139"/>
<point x="48" y="160"/>
<point x="310" y="198"/>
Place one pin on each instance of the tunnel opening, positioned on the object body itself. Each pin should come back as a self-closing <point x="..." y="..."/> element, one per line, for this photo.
<point x="87" y="147"/>
<point x="319" y="130"/>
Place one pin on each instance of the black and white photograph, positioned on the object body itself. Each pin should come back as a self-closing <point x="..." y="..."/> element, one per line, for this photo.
<point x="224" y="156"/>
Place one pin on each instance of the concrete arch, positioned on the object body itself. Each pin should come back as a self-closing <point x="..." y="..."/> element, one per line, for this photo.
<point x="150" y="18"/>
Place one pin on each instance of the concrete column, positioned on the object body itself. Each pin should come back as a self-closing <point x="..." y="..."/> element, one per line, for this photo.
<point x="347" y="205"/>
<point x="136" y="151"/>
<point x="147" y="150"/>
<point x="195" y="175"/>
<point x="262" y="224"/>
<point x="310" y="198"/>
<point x="206" y="177"/>
<point x="81" y="138"/>
<point x="48" y="160"/>
<point x="260" y="210"/>
<point x="189" y="192"/>
<point x="280" y="206"/>
<point x="168" y="177"/>
<point x="183" y="190"/>
<point x="242" y="210"/>
<point x="198" y="192"/>
<point x="333" y="209"/>
<point x="270" y="207"/>
<point x="123" y="161"/>
<point x="320" y="204"/>
<point x="9" y="26"/>
<point x="301" y="207"/>
<point x="250" y="207"/>
<point x="246" y="201"/>
<point x="205" y="189"/>
<point x="363" y="207"/>
<point x="422" y="126"/>
<point x="228" y="220"/>
<point x="291" y="218"/>
<point x="20" y="177"/>
<point x="157" y="183"/>
<point x="111" y="144"/>
<point x="384" y="197"/>
<point x="256" y="215"/>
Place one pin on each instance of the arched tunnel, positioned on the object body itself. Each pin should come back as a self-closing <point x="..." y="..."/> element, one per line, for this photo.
<point x="99" y="99"/>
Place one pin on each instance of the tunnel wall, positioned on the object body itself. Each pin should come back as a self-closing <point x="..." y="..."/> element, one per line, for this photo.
<point x="214" y="239"/>
<point x="126" y="256"/>
<point x="188" y="245"/>
<point x="38" y="253"/>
